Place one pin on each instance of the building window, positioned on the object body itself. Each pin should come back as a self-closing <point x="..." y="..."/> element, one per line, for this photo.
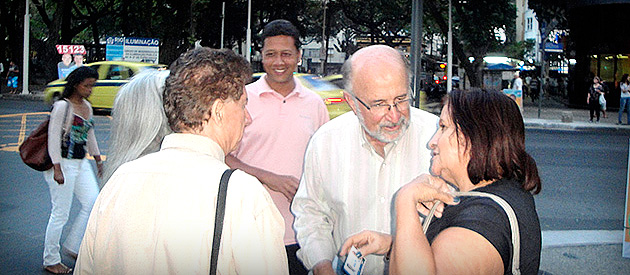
<point x="530" y="23"/>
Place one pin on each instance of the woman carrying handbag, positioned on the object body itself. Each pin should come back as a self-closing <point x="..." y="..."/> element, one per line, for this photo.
<point x="72" y="173"/>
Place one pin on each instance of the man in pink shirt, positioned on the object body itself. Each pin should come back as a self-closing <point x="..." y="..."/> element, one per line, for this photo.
<point x="285" y="115"/>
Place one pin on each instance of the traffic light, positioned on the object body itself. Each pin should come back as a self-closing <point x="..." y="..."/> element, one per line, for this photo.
<point x="442" y="65"/>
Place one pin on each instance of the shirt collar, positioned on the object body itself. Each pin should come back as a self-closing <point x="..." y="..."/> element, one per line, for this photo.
<point x="262" y="87"/>
<point x="192" y="142"/>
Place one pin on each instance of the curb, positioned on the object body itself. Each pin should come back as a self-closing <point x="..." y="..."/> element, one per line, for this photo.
<point x="566" y="238"/>
<point x="31" y="97"/>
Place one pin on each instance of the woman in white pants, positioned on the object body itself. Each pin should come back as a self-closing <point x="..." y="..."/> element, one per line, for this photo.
<point x="70" y="133"/>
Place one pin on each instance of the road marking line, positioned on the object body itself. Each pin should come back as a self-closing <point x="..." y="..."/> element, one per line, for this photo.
<point x="22" y="130"/>
<point x="17" y="115"/>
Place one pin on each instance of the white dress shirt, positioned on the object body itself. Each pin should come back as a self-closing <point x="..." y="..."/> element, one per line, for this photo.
<point x="156" y="216"/>
<point x="347" y="187"/>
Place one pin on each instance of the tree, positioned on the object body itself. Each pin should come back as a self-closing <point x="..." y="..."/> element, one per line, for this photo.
<point x="383" y="21"/>
<point x="551" y="15"/>
<point x="63" y="21"/>
<point x="475" y="27"/>
<point x="11" y="25"/>
<point x="548" y="11"/>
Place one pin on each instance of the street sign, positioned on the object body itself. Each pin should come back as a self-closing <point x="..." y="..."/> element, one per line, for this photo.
<point x="133" y="49"/>
<point x="70" y="49"/>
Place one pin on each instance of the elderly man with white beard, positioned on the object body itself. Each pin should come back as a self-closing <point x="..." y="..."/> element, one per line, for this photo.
<point x="355" y="163"/>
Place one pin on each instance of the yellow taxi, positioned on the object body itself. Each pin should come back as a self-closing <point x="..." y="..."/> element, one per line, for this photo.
<point x="111" y="76"/>
<point x="330" y="93"/>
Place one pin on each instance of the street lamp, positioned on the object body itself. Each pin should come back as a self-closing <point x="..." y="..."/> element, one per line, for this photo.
<point x="416" y="52"/>
<point x="222" y="23"/>
<point x="26" y="55"/>
<point x="449" y="57"/>
<point x="248" y="50"/>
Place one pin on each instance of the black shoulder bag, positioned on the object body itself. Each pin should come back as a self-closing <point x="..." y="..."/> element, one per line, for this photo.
<point x="218" y="220"/>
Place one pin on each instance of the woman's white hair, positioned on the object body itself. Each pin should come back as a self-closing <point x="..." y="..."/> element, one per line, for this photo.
<point x="138" y="120"/>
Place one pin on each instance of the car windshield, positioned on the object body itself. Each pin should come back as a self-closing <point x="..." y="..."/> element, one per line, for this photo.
<point x="317" y="84"/>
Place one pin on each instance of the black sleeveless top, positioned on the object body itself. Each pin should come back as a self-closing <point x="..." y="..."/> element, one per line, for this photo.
<point x="486" y="217"/>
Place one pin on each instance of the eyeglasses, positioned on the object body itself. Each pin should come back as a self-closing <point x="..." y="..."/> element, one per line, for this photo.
<point x="381" y="108"/>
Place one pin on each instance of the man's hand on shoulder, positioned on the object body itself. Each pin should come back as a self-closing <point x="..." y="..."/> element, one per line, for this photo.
<point x="287" y="185"/>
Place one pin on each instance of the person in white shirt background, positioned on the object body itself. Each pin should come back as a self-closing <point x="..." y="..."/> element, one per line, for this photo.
<point x="624" y="99"/>
<point x="356" y="162"/>
<point x="518" y="82"/>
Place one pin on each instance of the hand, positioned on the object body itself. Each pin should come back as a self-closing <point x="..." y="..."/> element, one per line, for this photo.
<point x="424" y="190"/>
<point x="58" y="174"/>
<point x="323" y="268"/>
<point x="99" y="169"/>
<point x="287" y="185"/>
<point x="368" y="242"/>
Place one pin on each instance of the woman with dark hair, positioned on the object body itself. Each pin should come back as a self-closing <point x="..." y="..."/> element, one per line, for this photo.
<point x="624" y="99"/>
<point x="592" y="99"/>
<point x="70" y="137"/>
<point x="479" y="150"/>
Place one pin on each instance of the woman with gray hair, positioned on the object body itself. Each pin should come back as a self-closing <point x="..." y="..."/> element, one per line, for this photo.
<point x="138" y="120"/>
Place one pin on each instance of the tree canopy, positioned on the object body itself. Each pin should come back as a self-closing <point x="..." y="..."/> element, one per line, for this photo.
<point x="180" y="23"/>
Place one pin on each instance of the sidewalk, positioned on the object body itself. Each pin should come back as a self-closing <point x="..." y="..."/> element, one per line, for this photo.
<point x="563" y="252"/>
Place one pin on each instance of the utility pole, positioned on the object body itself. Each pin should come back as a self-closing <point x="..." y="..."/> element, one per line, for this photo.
<point x="324" y="50"/>
<point x="26" y="52"/>
<point x="416" y="52"/>
<point x="248" y="51"/>
<point x="449" y="55"/>
<point x="222" y="23"/>
<point x="544" y="35"/>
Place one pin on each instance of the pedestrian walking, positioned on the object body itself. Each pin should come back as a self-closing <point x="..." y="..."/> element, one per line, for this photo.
<point x="70" y="133"/>
<point x="12" y="77"/>
<point x="602" y="98"/>
<point x="535" y="88"/>
<point x="624" y="99"/>
<point x="593" y="98"/>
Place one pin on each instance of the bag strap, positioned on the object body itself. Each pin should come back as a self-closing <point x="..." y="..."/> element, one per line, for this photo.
<point x="516" y="237"/>
<point x="218" y="220"/>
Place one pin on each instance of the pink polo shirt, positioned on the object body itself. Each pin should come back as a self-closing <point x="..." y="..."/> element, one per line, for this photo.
<point x="277" y="137"/>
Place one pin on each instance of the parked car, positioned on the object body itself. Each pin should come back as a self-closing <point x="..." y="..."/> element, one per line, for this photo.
<point x="330" y="93"/>
<point x="111" y="76"/>
<point x="336" y="79"/>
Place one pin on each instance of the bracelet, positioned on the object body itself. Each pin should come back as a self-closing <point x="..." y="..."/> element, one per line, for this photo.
<point x="98" y="161"/>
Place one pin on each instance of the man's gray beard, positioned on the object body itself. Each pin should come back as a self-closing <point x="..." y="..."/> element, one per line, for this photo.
<point x="404" y="122"/>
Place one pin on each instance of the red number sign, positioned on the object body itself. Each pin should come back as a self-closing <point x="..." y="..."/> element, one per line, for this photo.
<point x="70" y="49"/>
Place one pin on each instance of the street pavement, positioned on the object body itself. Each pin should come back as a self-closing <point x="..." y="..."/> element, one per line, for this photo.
<point x="563" y="252"/>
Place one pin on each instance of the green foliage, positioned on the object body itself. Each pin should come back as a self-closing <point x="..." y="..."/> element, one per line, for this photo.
<point x="547" y="11"/>
<point x="179" y="23"/>
<point x="385" y="20"/>
<point x="520" y="49"/>
<point x="475" y="27"/>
